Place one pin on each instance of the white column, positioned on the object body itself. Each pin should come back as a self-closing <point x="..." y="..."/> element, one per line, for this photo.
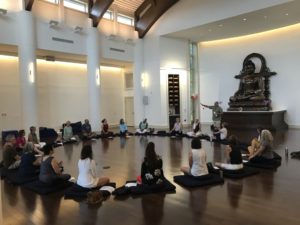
<point x="93" y="70"/>
<point x="139" y="108"/>
<point x="27" y="68"/>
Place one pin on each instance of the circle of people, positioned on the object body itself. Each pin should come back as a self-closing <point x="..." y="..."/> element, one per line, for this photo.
<point x="37" y="159"/>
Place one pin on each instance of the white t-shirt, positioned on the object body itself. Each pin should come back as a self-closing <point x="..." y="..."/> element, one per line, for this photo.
<point x="223" y="133"/>
<point x="87" y="173"/>
<point x="199" y="167"/>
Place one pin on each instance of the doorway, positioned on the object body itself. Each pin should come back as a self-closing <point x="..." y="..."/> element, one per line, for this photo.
<point x="129" y="111"/>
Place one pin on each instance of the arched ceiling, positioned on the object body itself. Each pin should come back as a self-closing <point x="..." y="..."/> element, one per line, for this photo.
<point x="145" y="12"/>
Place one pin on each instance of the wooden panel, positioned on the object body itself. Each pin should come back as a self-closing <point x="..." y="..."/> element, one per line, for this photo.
<point x="28" y="4"/>
<point x="126" y="7"/>
<point x="273" y="120"/>
<point x="148" y="13"/>
<point x="97" y="10"/>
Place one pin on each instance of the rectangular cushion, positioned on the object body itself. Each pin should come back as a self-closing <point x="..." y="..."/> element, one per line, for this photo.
<point x="191" y="181"/>
<point x="43" y="189"/>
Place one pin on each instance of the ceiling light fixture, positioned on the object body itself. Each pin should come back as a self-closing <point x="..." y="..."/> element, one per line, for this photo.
<point x="53" y="23"/>
<point x="77" y="29"/>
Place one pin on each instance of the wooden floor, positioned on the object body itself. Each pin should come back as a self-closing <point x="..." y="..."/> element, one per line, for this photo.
<point x="272" y="197"/>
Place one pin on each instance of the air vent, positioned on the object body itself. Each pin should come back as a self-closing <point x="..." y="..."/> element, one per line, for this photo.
<point x="117" y="50"/>
<point x="63" y="40"/>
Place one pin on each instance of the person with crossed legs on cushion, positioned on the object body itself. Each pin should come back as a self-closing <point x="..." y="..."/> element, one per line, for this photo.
<point x="68" y="132"/>
<point x="30" y="164"/>
<point x="32" y="136"/>
<point x="87" y="176"/>
<point x="265" y="152"/>
<point x="11" y="159"/>
<point x="51" y="170"/>
<point x="123" y="128"/>
<point x="234" y="154"/>
<point x="143" y="127"/>
<point x="221" y="134"/>
<point x="151" y="171"/>
<point x="197" y="160"/>
<point x="105" y="129"/>
<point x="20" y="141"/>
<point x="87" y="130"/>
<point x="196" y="129"/>
<point x="177" y="128"/>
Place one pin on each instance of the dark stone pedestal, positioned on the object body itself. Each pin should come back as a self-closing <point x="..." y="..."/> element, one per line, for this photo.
<point x="271" y="120"/>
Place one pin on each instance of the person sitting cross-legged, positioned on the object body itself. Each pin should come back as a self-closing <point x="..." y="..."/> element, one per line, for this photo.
<point x="234" y="155"/>
<point x="177" y="128"/>
<point x="123" y="128"/>
<point x="11" y="159"/>
<point x="87" y="176"/>
<point x="105" y="129"/>
<point x="143" y="127"/>
<point x="197" y="160"/>
<point x="51" y="170"/>
<point x="87" y="130"/>
<point x="196" y="131"/>
<point x="220" y="134"/>
<point x="68" y="132"/>
<point x="152" y="171"/>
<point x="20" y="141"/>
<point x="265" y="152"/>
<point x="30" y="163"/>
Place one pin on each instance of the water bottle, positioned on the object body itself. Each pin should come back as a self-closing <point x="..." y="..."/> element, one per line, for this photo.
<point x="221" y="173"/>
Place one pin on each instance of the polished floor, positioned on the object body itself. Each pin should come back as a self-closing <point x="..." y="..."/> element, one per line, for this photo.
<point x="271" y="197"/>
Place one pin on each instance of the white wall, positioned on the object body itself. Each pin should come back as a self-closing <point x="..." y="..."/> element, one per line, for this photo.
<point x="163" y="56"/>
<point x="190" y="13"/>
<point x="10" y="99"/>
<point x="221" y="60"/>
<point x="152" y="74"/>
<point x="112" y="94"/>
<point x="62" y="93"/>
<point x="174" y="59"/>
<point x="9" y="30"/>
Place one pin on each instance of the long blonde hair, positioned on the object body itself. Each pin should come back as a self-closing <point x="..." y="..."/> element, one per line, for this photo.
<point x="267" y="137"/>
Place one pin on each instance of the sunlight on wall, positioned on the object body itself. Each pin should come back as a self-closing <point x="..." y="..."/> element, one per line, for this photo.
<point x="253" y="37"/>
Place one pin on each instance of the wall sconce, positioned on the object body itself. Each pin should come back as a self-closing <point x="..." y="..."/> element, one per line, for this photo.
<point x="31" y="72"/>
<point x="98" y="77"/>
<point x="143" y="80"/>
<point x="77" y="29"/>
<point x="53" y="23"/>
<point x="3" y="12"/>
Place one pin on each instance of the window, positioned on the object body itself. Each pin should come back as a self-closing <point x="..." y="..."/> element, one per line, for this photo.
<point x="108" y="15"/>
<point x="125" y="20"/>
<point x="76" y="5"/>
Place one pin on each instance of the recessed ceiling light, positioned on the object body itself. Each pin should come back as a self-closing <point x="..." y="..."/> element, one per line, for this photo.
<point x="220" y="25"/>
<point x="244" y="19"/>
<point x="286" y="14"/>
